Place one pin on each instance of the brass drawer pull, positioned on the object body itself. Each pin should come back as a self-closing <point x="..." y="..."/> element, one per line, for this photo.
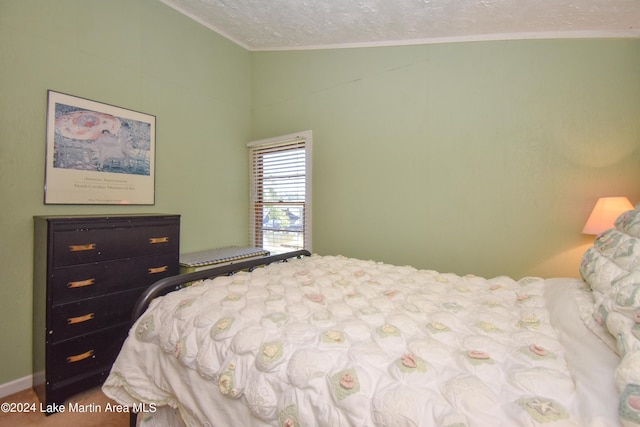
<point x="154" y="270"/>
<point x="79" y="357"/>
<point x="154" y="240"/>
<point x="80" y="319"/>
<point x="81" y="283"/>
<point x="80" y="248"/>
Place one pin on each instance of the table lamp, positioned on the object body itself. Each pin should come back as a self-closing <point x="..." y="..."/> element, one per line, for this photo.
<point x="604" y="214"/>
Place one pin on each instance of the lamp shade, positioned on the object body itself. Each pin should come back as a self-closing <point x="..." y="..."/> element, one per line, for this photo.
<point x="604" y="214"/>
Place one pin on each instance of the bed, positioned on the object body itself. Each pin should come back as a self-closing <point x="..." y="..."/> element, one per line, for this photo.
<point x="336" y="341"/>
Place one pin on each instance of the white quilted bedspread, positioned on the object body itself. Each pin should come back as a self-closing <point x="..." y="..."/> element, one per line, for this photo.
<point x="334" y="341"/>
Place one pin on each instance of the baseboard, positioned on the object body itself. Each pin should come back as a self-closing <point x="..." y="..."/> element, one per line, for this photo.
<point x="15" y="386"/>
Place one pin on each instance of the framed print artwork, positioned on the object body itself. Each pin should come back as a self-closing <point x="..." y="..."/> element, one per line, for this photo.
<point x="98" y="153"/>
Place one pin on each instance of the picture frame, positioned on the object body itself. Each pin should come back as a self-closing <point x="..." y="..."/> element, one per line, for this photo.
<point x="98" y="153"/>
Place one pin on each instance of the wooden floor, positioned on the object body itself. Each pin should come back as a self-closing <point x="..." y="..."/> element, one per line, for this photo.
<point x="91" y="400"/>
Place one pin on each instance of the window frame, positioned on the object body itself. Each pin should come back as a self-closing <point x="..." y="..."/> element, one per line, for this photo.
<point x="256" y="201"/>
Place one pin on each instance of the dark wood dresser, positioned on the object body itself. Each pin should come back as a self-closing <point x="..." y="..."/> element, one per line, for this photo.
<point x="88" y="273"/>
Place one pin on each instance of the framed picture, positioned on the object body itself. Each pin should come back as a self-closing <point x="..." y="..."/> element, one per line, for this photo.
<point x="98" y="153"/>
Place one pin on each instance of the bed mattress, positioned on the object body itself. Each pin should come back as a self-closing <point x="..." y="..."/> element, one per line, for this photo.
<point x="335" y="341"/>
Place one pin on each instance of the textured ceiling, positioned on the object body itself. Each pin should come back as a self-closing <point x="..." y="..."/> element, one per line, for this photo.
<point x="307" y="24"/>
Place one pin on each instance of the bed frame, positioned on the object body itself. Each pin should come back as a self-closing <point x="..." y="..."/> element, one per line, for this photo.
<point x="174" y="283"/>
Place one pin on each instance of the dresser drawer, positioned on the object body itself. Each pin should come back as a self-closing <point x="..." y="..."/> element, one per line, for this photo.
<point x="78" y="318"/>
<point x="88" y="280"/>
<point x="101" y="244"/>
<point x="89" y="352"/>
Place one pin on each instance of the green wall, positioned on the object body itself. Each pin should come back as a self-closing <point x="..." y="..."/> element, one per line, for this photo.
<point x="481" y="158"/>
<point x="137" y="54"/>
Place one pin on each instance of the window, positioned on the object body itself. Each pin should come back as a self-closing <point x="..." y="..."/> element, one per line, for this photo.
<point x="281" y="193"/>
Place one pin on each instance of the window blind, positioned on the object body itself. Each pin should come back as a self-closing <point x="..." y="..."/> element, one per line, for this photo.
<point x="280" y="211"/>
